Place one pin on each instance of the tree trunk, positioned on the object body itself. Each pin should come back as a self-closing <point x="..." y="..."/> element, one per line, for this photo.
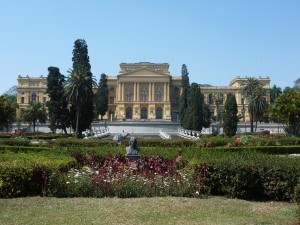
<point x="34" y="126"/>
<point x="251" y="120"/>
<point x="77" y="122"/>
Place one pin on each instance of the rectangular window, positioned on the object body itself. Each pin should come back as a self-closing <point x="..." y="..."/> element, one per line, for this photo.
<point x="242" y="101"/>
<point x="44" y="100"/>
<point x="22" y="100"/>
<point x="112" y="100"/>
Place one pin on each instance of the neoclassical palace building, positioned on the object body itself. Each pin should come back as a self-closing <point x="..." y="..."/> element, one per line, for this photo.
<point x="144" y="91"/>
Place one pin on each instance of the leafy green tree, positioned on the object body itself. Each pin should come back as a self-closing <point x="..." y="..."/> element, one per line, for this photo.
<point x="12" y="91"/>
<point x="81" y="62"/>
<point x="78" y="89"/>
<point x="183" y="102"/>
<point x="230" y="117"/>
<point x="275" y="92"/>
<point x="8" y="107"/>
<point x="59" y="115"/>
<point x="101" y="98"/>
<point x="297" y="84"/>
<point x="193" y="119"/>
<point x="286" y="109"/>
<point x="248" y="91"/>
<point x="34" y="113"/>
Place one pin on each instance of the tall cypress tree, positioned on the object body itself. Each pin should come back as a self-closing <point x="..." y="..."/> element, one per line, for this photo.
<point x="183" y="98"/>
<point x="57" y="105"/>
<point x="230" y="118"/>
<point x="193" y="119"/>
<point x="206" y="113"/>
<point x="81" y="60"/>
<point x="101" y="99"/>
<point x="197" y="108"/>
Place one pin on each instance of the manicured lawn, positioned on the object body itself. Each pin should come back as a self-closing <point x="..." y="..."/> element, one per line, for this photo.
<point x="168" y="210"/>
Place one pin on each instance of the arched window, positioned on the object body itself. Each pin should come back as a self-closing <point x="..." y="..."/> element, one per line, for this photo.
<point x="144" y="113"/>
<point x="159" y="113"/>
<point x="129" y="113"/>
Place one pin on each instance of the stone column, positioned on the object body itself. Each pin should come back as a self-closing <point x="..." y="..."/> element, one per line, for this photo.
<point x="153" y="91"/>
<point x="119" y="91"/>
<point x="165" y="91"/>
<point x="150" y="92"/>
<point x="168" y="91"/>
<point x="138" y="92"/>
<point x="122" y="91"/>
<point x="134" y="91"/>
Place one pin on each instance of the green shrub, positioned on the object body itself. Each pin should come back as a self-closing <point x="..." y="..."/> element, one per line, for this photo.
<point x="17" y="141"/>
<point x="24" y="174"/>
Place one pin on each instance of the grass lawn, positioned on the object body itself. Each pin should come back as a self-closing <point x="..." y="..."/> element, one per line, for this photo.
<point x="168" y="210"/>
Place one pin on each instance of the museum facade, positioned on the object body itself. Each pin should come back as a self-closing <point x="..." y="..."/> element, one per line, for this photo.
<point x="144" y="92"/>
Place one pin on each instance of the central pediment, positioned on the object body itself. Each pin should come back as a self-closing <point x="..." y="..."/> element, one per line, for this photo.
<point x="143" y="72"/>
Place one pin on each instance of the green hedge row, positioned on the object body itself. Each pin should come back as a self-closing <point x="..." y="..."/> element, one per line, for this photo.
<point x="26" y="174"/>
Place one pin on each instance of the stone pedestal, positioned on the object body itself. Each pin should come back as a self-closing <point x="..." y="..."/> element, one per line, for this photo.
<point x="133" y="158"/>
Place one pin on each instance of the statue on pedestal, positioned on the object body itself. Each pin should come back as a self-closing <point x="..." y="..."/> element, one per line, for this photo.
<point x="132" y="151"/>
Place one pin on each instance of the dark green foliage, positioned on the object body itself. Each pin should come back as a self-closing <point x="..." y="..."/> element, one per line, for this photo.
<point x="286" y="109"/>
<point x="230" y="118"/>
<point x="82" y="115"/>
<point x="18" y="141"/>
<point x="8" y="107"/>
<point x="206" y="114"/>
<point x="183" y="98"/>
<point x="275" y="92"/>
<point x="198" y="109"/>
<point x="101" y="98"/>
<point x="26" y="174"/>
<point x="193" y="118"/>
<point x="57" y="105"/>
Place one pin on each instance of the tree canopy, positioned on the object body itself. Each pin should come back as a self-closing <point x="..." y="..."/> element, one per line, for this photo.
<point x="101" y="98"/>
<point x="230" y="118"/>
<point x="286" y="109"/>
<point x="8" y="107"/>
<point x="183" y="102"/>
<point x="57" y="105"/>
<point x="81" y="118"/>
<point x="78" y="89"/>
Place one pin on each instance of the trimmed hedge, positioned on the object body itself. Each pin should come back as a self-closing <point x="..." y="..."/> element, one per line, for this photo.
<point x="18" y="141"/>
<point x="26" y="174"/>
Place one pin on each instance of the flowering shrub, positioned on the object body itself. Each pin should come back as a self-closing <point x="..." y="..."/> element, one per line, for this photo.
<point x="148" y="177"/>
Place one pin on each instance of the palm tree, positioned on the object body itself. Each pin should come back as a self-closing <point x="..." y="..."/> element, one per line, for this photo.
<point x="35" y="112"/>
<point x="79" y="88"/>
<point x="217" y="100"/>
<point x="258" y="103"/>
<point x="248" y="91"/>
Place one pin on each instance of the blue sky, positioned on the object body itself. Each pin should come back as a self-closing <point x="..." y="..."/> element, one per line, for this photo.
<point x="217" y="40"/>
